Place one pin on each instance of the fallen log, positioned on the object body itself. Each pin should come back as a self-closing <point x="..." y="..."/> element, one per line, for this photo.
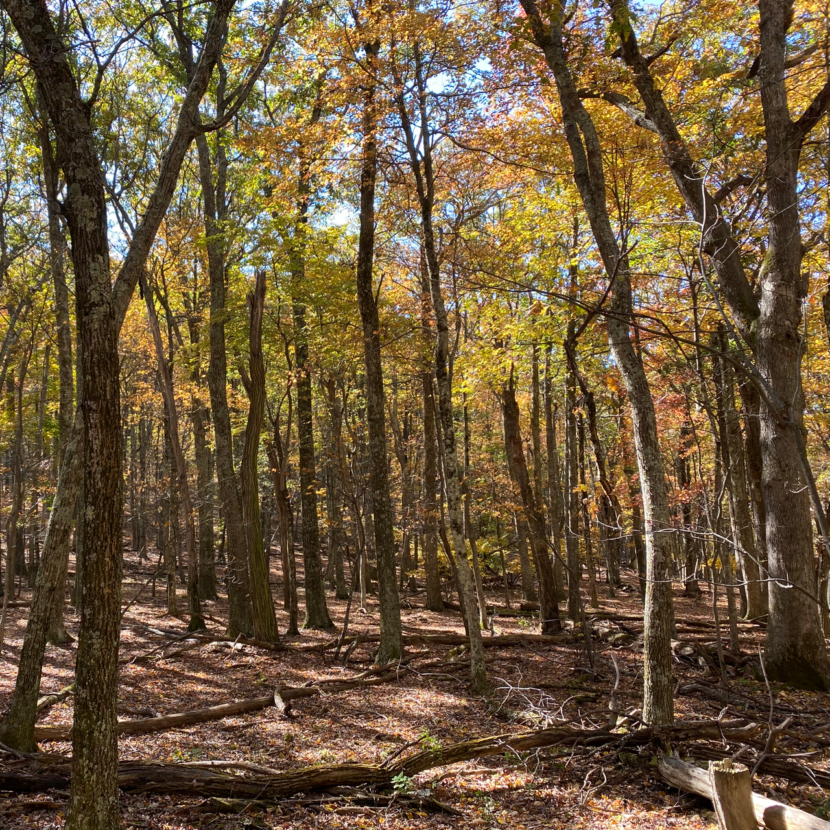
<point x="50" y="700"/>
<point x="500" y="611"/>
<point x="768" y="813"/>
<point x="499" y="641"/>
<point x="281" y="695"/>
<point x="160" y="724"/>
<point x="613" y="615"/>
<point x="329" y="800"/>
<point x="178" y="778"/>
<point x="780" y="767"/>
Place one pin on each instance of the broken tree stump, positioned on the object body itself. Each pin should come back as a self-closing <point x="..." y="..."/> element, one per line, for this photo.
<point x="768" y="813"/>
<point x="732" y="795"/>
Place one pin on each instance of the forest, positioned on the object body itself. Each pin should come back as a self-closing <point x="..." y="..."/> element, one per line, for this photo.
<point x="412" y="414"/>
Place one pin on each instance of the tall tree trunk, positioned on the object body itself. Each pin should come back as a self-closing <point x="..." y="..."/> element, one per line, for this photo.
<point x="278" y="458"/>
<point x="197" y="622"/>
<point x="391" y="643"/>
<point x="533" y="508"/>
<point x="572" y="491"/>
<point x="769" y="323"/>
<point x="739" y="511"/>
<point x="317" y="614"/>
<point x="586" y="152"/>
<point x="264" y="618"/>
<point x="337" y="490"/>
<point x="169" y="517"/>
<point x="469" y="527"/>
<point x="586" y="518"/>
<point x="57" y="254"/>
<point x="401" y="445"/>
<point x="690" y="549"/>
<point x="240" y="619"/>
<point x="554" y="485"/>
<point x="200" y="422"/>
<point x="13" y="529"/>
<point x="434" y="600"/>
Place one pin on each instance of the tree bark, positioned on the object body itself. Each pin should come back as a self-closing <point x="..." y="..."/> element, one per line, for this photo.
<point x="200" y="422"/>
<point x="571" y="488"/>
<point x="586" y="152"/>
<point x="391" y="646"/>
<point x="278" y="457"/>
<point x="739" y="509"/>
<point x="533" y="508"/>
<point x="336" y="490"/>
<point x="240" y="618"/>
<point x="554" y="485"/>
<point x="434" y="600"/>
<point x="264" y="618"/>
<point x="770" y="323"/>
<point x="197" y="622"/>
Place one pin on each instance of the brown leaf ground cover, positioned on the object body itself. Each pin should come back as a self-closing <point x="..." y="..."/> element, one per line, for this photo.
<point x="534" y="685"/>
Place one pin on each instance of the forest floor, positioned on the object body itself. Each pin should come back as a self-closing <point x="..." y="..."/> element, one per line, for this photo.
<point x="534" y="685"/>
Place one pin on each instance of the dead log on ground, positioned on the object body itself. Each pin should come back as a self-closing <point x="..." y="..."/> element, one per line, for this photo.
<point x="50" y="700"/>
<point x="499" y="641"/>
<point x="372" y="677"/>
<point x="776" y="765"/>
<point x="768" y="813"/>
<point x="180" y="778"/>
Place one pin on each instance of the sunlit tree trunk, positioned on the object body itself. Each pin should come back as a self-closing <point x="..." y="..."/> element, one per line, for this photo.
<point x="589" y="175"/>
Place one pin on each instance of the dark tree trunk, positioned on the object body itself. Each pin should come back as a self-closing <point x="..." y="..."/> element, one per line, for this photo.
<point x="336" y="491"/>
<point x="585" y="513"/>
<point x="571" y="488"/>
<point x="554" y="485"/>
<point x="739" y="509"/>
<point x="278" y="457"/>
<point x="264" y="618"/>
<point x="469" y="527"/>
<point x="391" y="645"/>
<point x="690" y="548"/>
<point x="534" y="511"/>
<point x="179" y="465"/>
<point x="213" y="196"/>
<point x="434" y="600"/>
<point x="200" y="421"/>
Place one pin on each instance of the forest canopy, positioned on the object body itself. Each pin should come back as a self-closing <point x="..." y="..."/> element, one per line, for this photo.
<point x="333" y="330"/>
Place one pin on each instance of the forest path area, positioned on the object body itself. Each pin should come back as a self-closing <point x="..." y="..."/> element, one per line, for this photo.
<point x="427" y="704"/>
